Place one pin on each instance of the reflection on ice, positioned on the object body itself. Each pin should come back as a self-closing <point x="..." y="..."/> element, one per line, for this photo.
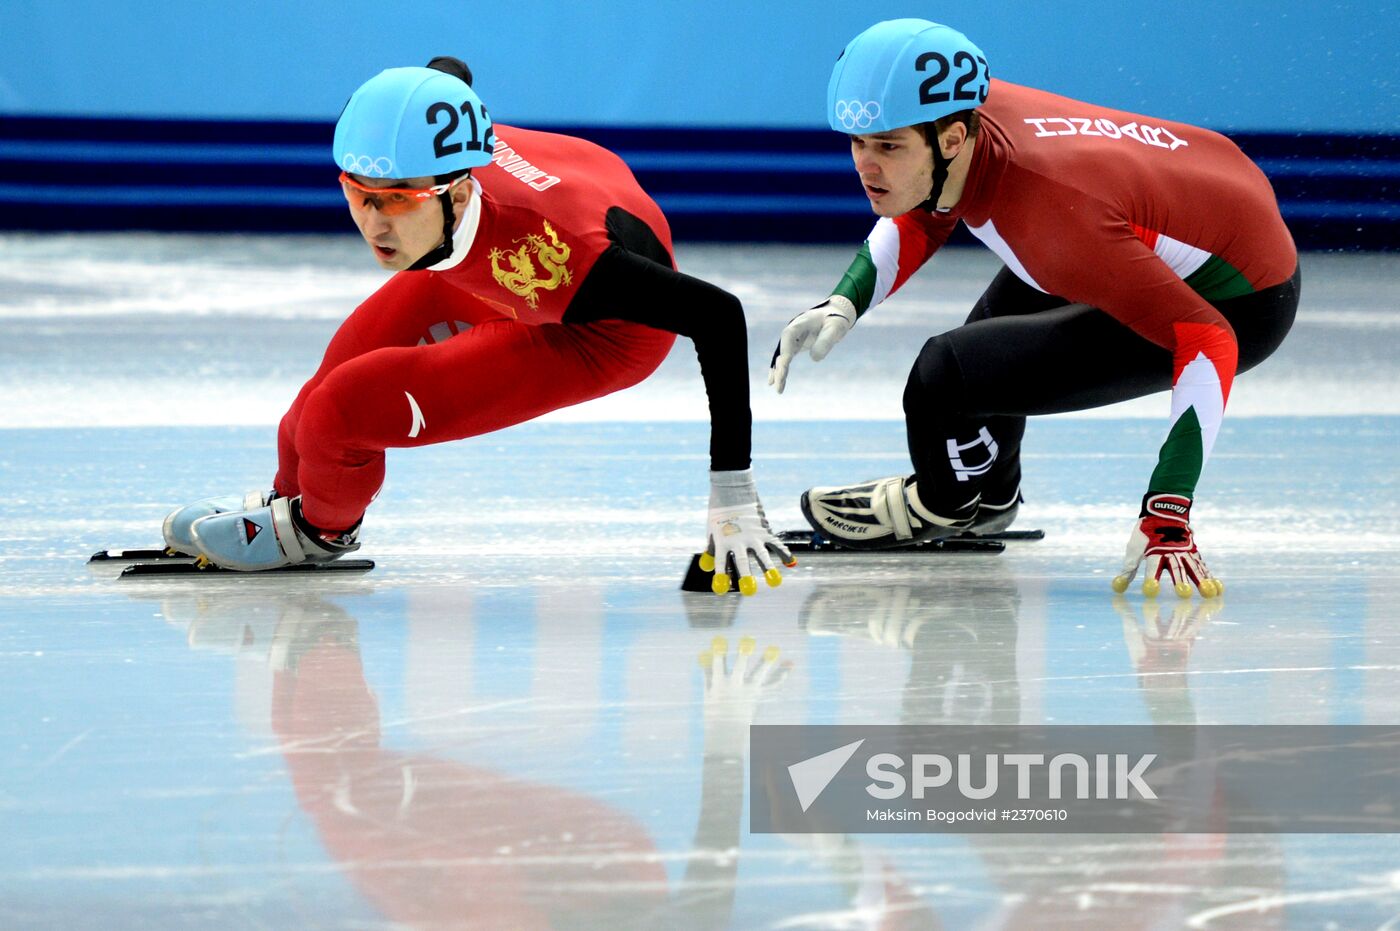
<point x="558" y="757"/>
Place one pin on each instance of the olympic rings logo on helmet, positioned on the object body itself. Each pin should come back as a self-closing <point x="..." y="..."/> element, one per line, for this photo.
<point x="363" y="165"/>
<point x="857" y="114"/>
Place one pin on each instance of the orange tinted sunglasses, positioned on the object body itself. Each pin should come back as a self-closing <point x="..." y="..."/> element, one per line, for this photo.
<point x="391" y="201"/>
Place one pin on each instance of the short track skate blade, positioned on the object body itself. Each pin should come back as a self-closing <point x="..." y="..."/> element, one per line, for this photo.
<point x="811" y="542"/>
<point x="1008" y="535"/>
<point x="155" y="555"/>
<point x="192" y="570"/>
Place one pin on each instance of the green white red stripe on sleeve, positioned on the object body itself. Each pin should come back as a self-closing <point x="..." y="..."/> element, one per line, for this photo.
<point x="1203" y="366"/>
<point x="892" y="253"/>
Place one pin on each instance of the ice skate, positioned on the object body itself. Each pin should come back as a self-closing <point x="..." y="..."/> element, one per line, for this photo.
<point x="177" y="524"/>
<point x="268" y="537"/>
<point x="877" y="514"/>
<point x="995" y="518"/>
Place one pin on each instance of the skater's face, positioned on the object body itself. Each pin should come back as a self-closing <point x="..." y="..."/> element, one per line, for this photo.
<point x="401" y="229"/>
<point x="895" y="168"/>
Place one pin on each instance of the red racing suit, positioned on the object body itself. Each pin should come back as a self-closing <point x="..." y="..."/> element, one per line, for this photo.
<point x="542" y="223"/>
<point x="498" y="333"/>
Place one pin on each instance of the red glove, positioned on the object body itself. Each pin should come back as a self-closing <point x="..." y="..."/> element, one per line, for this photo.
<point x="1163" y="537"/>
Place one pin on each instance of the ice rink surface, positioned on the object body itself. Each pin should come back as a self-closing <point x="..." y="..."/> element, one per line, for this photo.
<point x="507" y="724"/>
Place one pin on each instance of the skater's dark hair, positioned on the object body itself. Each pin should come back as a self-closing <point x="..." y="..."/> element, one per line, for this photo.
<point x="453" y="66"/>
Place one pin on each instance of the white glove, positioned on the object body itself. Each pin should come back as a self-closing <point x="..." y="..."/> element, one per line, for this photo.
<point x="736" y="528"/>
<point x="816" y="330"/>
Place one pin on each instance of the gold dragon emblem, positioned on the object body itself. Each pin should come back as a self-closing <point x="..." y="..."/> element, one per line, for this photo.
<point x="522" y="277"/>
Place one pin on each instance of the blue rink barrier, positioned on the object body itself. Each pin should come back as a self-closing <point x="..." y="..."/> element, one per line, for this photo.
<point x="1336" y="191"/>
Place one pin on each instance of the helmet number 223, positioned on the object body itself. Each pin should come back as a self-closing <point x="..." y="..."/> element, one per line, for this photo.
<point x="928" y="95"/>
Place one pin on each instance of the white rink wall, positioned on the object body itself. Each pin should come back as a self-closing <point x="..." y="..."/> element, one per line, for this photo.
<point x="201" y="330"/>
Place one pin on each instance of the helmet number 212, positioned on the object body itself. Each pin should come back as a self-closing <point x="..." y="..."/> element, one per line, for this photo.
<point x="441" y="147"/>
<point x="928" y="95"/>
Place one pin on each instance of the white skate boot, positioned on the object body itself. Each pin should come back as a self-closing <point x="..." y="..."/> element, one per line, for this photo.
<point x="877" y="514"/>
<point x="176" y="528"/>
<point x="268" y="537"/>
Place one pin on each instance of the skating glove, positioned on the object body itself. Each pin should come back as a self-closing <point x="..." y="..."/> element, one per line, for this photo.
<point x="737" y="528"/>
<point x="1163" y="538"/>
<point x="816" y="331"/>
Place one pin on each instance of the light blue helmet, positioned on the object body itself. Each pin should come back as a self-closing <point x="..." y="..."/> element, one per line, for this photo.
<point x="413" y="123"/>
<point x="903" y="72"/>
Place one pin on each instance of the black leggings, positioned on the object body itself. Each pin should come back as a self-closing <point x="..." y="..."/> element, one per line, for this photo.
<point x="1024" y="352"/>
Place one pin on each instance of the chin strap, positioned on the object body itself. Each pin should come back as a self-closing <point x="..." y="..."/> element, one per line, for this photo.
<point x="443" y="250"/>
<point x="940" y="177"/>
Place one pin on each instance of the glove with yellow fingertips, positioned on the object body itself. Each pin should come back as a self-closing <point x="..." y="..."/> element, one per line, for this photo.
<point x="739" y="531"/>
<point x="815" y="331"/>
<point x="1162" y="539"/>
